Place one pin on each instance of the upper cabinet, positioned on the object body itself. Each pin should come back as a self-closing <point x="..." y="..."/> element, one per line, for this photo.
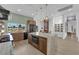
<point x="46" y="26"/>
<point x="58" y="27"/>
<point x="31" y="22"/>
<point x="31" y="26"/>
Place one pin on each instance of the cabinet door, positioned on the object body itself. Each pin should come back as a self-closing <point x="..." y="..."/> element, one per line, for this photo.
<point x="18" y="36"/>
<point x="29" y="38"/>
<point x="45" y="25"/>
<point x="43" y="45"/>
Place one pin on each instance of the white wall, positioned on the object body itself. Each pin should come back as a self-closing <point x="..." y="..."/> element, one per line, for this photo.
<point x="64" y="15"/>
<point x="58" y="20"/>
<point x="39" y="21"/>
<point x="76" y="11"/>
<point x="40" y="24"/>
<point x="51" y="27"/>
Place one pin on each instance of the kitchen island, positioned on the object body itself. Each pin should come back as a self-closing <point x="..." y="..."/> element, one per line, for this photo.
<point x="43" y="42"/>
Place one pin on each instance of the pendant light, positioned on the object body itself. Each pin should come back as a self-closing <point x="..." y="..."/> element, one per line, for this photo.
<point x="41" y="12"/>
<point x="46" y="17"/>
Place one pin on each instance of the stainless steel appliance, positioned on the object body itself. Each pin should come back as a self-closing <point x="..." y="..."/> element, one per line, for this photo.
<point x="32" y="28"/>
<point x="35" y="39"/>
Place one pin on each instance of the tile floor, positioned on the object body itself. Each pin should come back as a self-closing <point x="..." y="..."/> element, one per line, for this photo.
<point x="23" y="48"/>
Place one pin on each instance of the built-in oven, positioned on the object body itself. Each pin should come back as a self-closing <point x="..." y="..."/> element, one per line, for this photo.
<point x="35" y="39"/>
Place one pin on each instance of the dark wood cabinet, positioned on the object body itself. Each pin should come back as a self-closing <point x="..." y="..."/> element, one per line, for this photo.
<point x="46" y="25"/>
<point x="18" y="36"/>
<point x="43" y="45"/>
<point x="31" y="24"/>
<point x="30" y="38"/>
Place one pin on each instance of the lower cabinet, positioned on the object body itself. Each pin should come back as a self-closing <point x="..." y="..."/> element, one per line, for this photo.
<point x="43" y="45"/>
<point x="18" y="36"/>
<point x="30" y="39"/>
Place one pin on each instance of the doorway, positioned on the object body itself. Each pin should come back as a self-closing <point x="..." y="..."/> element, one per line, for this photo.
<point x="71" y="27"/>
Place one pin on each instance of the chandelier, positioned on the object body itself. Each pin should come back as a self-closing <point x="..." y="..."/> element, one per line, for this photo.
<point x="43" y="9"/>
<point x="46" y="14"/>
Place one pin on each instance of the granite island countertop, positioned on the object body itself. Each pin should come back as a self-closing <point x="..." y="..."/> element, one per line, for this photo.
<point x="46" y="35"/>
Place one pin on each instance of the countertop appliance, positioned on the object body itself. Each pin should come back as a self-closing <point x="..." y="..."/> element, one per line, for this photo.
<point x="4" y="38"/>
<point x="5" y="45"/>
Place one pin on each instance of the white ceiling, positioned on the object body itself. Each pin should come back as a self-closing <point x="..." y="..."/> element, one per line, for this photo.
<point x="33" y="9"/>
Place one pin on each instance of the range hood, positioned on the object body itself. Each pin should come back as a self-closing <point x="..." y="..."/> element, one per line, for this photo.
<point x="4" y="13"/>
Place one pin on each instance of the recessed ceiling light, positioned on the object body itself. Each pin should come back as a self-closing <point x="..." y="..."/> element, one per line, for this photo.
<point x="19" y="10"/>
<point x="32" y="14"/>
<point x="70" y="9"/>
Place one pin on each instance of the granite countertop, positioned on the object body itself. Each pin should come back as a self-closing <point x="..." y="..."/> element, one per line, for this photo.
<point x="46" y="35"/>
